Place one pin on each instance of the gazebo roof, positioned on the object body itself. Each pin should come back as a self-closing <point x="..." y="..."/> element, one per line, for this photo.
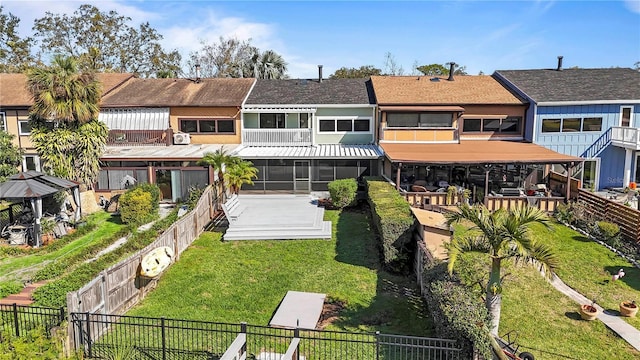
<point x="33" y="184"/>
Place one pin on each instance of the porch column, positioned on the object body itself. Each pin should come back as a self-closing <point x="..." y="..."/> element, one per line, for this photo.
<point x="626" y="177"/>
<point x="398" y="176"/>
<point x="568" y="190"/>
<point x="487" y="169"/>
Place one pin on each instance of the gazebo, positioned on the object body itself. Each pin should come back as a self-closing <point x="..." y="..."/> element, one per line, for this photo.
<point x="33" y="186"/>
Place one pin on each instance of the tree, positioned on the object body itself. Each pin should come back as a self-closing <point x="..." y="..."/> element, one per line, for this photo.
<point x="391" y="66"/>
<point x="440" y="70"/>
<point x="240" y="173"/>
<point x="65" y="130"/>
<point x="15" y="52"/>
<point x="355" y="73"/>
<point x="10" y="156"/>
<point x="501" y="235"/>
<point x="105" y="42"/>
<point x="230" y="57"/>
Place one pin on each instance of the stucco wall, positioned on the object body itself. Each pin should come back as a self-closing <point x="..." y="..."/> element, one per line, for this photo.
<point x="203" y="113"/>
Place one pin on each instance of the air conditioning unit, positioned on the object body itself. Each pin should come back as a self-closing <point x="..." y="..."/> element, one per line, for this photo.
<point x="181" y="139"/>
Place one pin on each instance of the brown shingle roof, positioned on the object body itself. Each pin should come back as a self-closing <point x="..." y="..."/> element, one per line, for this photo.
<point x="463" y="90"/>
<point x="475" y="152"/>
<point x="180" y="92"/>
<point x="13" y="87"/>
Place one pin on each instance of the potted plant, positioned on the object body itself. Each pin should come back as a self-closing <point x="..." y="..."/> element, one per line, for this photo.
<point x="589" y="312"/>
<point x="46" y="227"/>
<point x="628" y="308"/>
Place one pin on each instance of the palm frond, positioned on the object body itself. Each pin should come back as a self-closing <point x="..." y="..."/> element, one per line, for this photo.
<point x="466" y="244"/>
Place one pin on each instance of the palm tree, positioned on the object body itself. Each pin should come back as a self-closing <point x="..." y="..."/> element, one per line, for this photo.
<point x="268" y="65"/>
<point x="239" y="173"/>
<point x="62" y="94"/>
<point x="219" y="161"/>
<point x="66" y="131"/>
<point x="501" y="235"/>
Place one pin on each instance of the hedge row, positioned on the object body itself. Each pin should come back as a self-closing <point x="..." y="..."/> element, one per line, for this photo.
<point x="343" y="192"/>
<point x="457" y="312"/>
<point x="394" y="224"/>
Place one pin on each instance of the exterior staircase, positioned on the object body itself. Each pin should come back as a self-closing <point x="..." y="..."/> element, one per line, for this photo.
<point x="602" y="142"/>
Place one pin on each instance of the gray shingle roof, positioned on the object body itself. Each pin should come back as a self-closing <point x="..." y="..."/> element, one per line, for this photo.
<point x="549" y="85"/>
<point x="302" y="91"/>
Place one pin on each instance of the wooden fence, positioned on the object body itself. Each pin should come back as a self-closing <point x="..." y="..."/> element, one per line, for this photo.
<point x="627" y="218"/>
<point x="119" y="287"/>
<point x="547" y="204"/>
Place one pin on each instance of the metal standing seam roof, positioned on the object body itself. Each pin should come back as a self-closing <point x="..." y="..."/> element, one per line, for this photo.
<point x="475" y="152"/>
<point x="329" y="151"/>
<point x="166" y="153"/>
<point x="135" y="118"/>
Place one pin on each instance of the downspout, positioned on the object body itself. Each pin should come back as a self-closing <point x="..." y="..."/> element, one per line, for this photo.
<point x="568" y="190"/>
<point x="398" y="176"/>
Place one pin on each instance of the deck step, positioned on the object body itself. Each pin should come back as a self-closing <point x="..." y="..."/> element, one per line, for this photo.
<point x="280" y="233"/>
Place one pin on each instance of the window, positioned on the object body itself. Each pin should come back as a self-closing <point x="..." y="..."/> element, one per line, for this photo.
<point x="272" y="121"/>
<point x="207" y="126"/>
<point x="592" y="124"/>
<point x="344" y="124"/>
<point x="303" y="123"/>
<point x="625" y="118"/>
<point x="572" y="124"/>
<point x="436" y="120"/>
<point x="30" y="162"/>
<point x="510" y="125"/>
<point x="3" y="121"/>
<point x="428" y="120"/>
<point x="551" y="125"/>
<point x="24" y="127"/>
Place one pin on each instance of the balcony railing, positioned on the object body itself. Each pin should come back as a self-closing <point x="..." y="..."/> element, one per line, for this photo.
<point x="140" y="137"/>
<point x="276" y="137"/>
<point x="420" y="134"/>
<point x="626" y="137"/>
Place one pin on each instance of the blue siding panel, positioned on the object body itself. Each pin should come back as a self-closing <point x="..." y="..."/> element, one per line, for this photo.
<point x="612" y="167"/>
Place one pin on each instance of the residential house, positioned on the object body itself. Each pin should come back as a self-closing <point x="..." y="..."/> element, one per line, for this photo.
<point x="160" y="128"/>
<point x="588" y="113"/>
<point x="463" y="131"/>
<point x="302" y="134"/>
<point x="15" y="102"/>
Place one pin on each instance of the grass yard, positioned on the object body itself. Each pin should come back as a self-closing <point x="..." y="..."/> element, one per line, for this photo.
<point x="246" y="280"/>
<point x="588" y="266"/>
<point x="22" y="267"/>
<point x="547" y="322"/>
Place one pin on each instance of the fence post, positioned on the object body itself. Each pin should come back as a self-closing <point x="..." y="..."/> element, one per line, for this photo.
<point x="243" y="329"/>
<point x="377" y="345"/>
<point x="296" y="335"/>
<point x="86" y="316"/>
<point x="164" y="344"/>
<point x="176" y="247"/>
<point x="15" y="319"/>
<point x="61" y="318"/>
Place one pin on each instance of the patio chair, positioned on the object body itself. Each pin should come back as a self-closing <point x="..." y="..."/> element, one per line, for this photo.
<point x="418" y="188"/>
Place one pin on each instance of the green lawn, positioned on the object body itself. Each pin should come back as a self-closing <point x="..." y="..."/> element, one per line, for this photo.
<point x="548" y="323"/>
<point x="21" y="268"/>
<point x="588" y="266"/>
<point x="245" y="281"/>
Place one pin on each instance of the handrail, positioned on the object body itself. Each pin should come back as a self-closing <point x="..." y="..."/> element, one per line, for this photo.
<point x="236" y="350"/>
<point x="291" y="351"/>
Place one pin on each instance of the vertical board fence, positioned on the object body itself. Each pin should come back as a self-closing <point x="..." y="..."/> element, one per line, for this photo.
<point x="627" y="218"/>
<point x="119" y="287"/>
<point x="162" y="338"/>
<point x="17" y="320"/>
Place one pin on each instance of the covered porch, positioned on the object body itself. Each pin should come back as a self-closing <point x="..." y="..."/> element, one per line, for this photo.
<point x="499" y="174"/>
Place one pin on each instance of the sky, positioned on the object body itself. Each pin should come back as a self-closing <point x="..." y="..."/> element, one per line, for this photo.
<point x="483" y="36"/>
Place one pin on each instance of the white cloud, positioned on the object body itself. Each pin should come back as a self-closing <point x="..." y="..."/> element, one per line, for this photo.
<point x="633" y="5"/>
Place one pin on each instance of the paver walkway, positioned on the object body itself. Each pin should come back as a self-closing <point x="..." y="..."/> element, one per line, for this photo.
<point x="613" y="322"/>
<point x="23" y="297"/>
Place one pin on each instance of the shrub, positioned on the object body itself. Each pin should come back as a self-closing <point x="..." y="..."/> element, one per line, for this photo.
<point x="564" y="213"/>
<point x="394" y="224"/>
<point x="343" y="192"/>
<point x="608" y="232"/>
<point x="155" y="192"/>
<point x="35" y="344"/>
<point x="8" y="288"/>
<point x="457" y="312"/>
<point x="136" y="206"/>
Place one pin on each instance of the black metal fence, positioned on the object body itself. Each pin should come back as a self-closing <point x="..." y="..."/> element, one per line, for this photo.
<point x="17" y="320"/>
<point x="105" y="336"/>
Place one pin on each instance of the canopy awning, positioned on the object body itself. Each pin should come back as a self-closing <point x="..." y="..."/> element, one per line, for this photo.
<point x="475" y="152"/>
<point x="432" y="108"/>
<point x="323" y="151"/>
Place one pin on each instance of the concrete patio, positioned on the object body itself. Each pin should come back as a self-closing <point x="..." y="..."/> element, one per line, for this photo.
<point x="278" y="217"/>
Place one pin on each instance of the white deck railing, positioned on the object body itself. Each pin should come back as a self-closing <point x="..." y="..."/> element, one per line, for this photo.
<point x="626" y="137"/>
<point x="276" y="137"/>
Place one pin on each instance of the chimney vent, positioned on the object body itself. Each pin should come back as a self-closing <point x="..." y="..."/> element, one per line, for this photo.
<point x="197" y="66"/>
<point x="452" y="69"/>
<point x="319" y="73"/>
<point x="559" y="63"/>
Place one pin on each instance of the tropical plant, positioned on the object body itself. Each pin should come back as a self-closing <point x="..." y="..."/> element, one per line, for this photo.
<point x="269" y="65"/>
<point x="501" y="235"/>
<point x="64" y="118"/>
<point x="10" y="156"/>
<point x="239" y="173"/>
